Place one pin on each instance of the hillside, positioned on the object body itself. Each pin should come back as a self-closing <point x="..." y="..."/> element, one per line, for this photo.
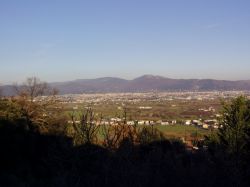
<point x="144" y="83"/>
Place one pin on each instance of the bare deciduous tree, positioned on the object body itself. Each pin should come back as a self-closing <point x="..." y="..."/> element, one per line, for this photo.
<point x="112" y="135"/>
<point x="86" y="131"/>
<point x="115" y="134"/>
<point x="33" y="88"/>
<point x="35" y="100"/>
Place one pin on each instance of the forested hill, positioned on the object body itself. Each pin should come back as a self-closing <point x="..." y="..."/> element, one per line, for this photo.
<point x="141" y="84"/>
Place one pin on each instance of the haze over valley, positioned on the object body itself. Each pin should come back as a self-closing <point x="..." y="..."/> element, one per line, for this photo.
<point x="145" y="83"/>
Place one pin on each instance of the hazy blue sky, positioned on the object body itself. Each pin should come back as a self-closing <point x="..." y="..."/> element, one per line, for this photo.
<point x="69" y="39"/>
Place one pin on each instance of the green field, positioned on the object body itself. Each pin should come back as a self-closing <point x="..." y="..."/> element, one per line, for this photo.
<point x="176" y="132"/>
<point x="165" y="110"/>
<point x="179" y="131"/>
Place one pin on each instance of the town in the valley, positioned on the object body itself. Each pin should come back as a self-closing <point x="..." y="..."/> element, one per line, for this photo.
<point x="200" y="109"/>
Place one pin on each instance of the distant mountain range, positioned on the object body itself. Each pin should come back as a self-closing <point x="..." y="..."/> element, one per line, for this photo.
<point x="145" y="83"/>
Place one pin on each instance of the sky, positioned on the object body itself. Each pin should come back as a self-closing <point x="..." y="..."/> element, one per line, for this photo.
<point x="58" y="40"/>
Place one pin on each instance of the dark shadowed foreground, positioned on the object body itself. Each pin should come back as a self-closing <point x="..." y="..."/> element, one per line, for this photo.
<point x="32" y="159"/>
<point x="38" y="149"/>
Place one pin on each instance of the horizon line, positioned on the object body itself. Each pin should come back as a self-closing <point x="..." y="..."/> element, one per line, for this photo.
<point x="102" y="77"/>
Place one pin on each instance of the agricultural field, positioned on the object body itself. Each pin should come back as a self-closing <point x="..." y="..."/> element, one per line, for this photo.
<point x="173" y="109"/>
<point x="165" y="110"/>
<point x="179" y="131"/>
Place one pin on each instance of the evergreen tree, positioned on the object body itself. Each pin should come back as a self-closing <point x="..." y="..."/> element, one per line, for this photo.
<point x="235" y="123"/>
<point x="230" y="145"/>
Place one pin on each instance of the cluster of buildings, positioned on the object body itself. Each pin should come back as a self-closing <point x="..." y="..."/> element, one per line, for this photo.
<point x="149" y="96"/>
<point x="118" y="99"/>
<point x="205" y="124"/>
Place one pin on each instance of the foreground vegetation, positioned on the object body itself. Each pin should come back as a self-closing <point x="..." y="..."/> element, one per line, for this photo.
<point x="39" y="148"/>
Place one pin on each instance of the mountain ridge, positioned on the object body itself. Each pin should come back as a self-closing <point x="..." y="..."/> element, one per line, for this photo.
<point x="144" y="83"/>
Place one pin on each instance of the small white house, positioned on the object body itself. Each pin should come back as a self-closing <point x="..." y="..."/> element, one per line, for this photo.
<point x="141" y="122"/>
<point x="164" y="123"/>
<point x="205" y="126"/>
<point x="130" y="122"/>
<point x="174" y="122"/>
